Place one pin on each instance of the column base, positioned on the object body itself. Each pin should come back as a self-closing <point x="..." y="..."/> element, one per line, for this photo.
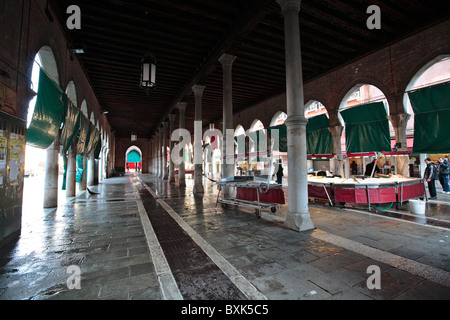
<point x="298" y="221"/>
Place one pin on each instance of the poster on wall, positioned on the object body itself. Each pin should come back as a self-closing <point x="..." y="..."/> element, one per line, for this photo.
<point x="16" y="158"/>
<point x="3" y="153"/>
<point x="8" y="100"/>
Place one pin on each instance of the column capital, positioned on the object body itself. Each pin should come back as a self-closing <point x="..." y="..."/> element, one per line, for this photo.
<point x="399" y="120"/>
<point x="288" y="5"/>
<point x="198" y="89"/>
<point x="227" y="59"/>
<point x="182" y="106"/>
<point x="336" y="131"/>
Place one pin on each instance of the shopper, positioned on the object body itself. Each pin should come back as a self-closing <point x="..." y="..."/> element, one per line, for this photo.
<point x="280" y="173"/>
<point x="444" y="171"/>
<point x="369" y="169"/>
<point x="430" y="175"/>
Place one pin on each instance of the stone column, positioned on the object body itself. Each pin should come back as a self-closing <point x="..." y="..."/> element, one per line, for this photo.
<point x="181" y="167"/>
<point x="83" y="182"/>
<point x="164" y="152"/>
<point x="149" y="168"/>
<point x="154" y="150"/>
<point x="399" y="122"/>
<point x="298" y="217"/>
<point x="198" y="140"/>
<point x="336" y="163"/>
<point x="91" y="169"/>
<point x="171" y="143"/>
<point x="158" y="153"/>
<point x="227" y="167"/>
<point x="71" y="177"/>
<point x="51" y="176"/>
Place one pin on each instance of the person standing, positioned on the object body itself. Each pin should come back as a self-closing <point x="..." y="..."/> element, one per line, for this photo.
<point x="280" y="173"/>
<point x="430" y="175"/>
<point x="369" y="169"/>
<point x="444" y="171"/>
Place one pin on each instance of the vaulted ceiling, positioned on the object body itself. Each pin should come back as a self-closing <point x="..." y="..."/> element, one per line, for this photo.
<point x="188" y="36"/>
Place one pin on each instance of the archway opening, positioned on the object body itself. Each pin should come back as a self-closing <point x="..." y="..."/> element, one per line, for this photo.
<point x="435" y="72"/>
<point x="133" y="159"/>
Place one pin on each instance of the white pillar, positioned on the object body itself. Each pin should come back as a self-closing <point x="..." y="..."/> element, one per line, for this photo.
<point x="181" y="166"/>
<point x="171" y="143"/>
<point x="227" y="167"/>
<point x="91" y="169"/>
<point x="51" y="176"/>
<point x="158" y="153"/>
<point x="71" y="176"/>
<point x="336" y="163"/>
<point x="298" y="217"/>
<point x="198" y="140"/>
<point x="83" y="182"/>
<point x="399" y="122"/>
<point x="164" y="152"/>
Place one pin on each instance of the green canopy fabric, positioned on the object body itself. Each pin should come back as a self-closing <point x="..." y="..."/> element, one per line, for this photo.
<point x="83" y="139"/>
<point x="367" y="128"/>
<point x="431" y="108"/>
<point x="318" y="138"/>
<point x="94" y="139"/>
<point x="48" y="113"/>
<point x="79" y="168"/>
<point x="71" y="126"/>
<point x="133" y="156"/>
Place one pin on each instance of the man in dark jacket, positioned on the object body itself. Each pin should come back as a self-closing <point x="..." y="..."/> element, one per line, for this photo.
<point x="444" y="171"/>
<point x="280" y="173"/>
<point x="369" y="169"/>
<point x="430" y="175"/>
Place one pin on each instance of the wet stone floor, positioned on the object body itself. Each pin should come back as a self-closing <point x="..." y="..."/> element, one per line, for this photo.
<point x="218" y="253"/>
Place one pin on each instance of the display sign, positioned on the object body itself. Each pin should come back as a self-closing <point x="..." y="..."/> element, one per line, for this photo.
<point x="8" y="100"/>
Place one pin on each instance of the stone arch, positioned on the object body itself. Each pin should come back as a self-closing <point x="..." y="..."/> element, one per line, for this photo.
<point x="46" y="60"/>
<point x="419" y="73"/>
<point x="71" y="92"/>
<point x="133" y="148"/>
<point x="84" y="108"/>
<point x="314" y="108"/>
<point x="355" y="86"/>
<point x="278" y="118"/>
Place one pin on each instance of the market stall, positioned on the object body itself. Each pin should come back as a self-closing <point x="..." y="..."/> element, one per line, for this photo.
<point x="252" y="192"/>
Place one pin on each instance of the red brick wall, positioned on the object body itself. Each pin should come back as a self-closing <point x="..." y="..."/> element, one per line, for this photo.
<point x="390" y="69"/>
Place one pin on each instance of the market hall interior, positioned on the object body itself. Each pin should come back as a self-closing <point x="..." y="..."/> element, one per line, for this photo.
<point x="147" y="106"/>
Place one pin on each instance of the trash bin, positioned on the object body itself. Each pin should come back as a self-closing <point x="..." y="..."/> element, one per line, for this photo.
<point x="417" y="206"/>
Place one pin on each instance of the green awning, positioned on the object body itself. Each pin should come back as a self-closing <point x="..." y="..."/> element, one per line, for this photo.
<point x="83" y="139"/>
<point x="79" y="168"/>
<point x="367" y="128"/>
<point x="280" y="137"/>
<point x="133" y="156"/>
<point x="71" y="126"/>
<point x="431" y="108"/>
<point x="94" y="139"/>
<point x="318" y="138"/>
<point x="48" y="113"/>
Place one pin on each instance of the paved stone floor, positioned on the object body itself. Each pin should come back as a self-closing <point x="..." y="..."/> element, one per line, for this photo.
<point x="117" y="240"/>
